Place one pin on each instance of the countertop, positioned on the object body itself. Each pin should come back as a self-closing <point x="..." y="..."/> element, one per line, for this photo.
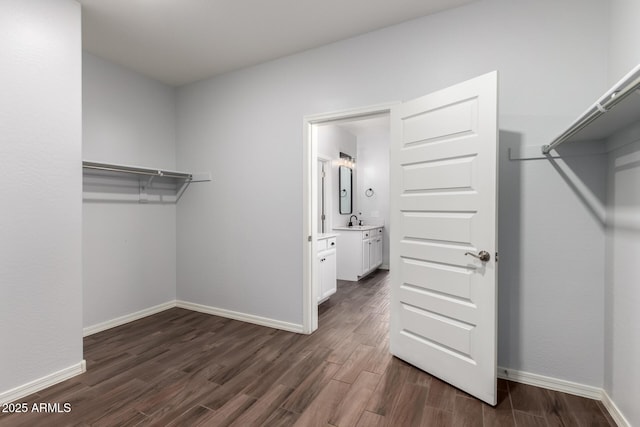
<point x="358" y="227"/>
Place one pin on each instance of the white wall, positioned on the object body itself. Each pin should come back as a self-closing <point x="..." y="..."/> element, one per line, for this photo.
<point x="331" y="141"/>
<point x="551" y="310"/>
<point x="239" y="239"/>
<point x="373" y="172"/>
<point x="622" y="333"/>
<point x="40" y="231"/>
<point x="624" y="49"/>
<point x="129" y="249"/>
<point x="622" y="343"/>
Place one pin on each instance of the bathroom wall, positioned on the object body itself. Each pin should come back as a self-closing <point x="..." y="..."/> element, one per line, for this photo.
<point x="246" y="127"/>
<point x="40" y="219"/>
<point x="129" y="249"/>
<point x="331" y="141"/>
<point x="373" y="172"/>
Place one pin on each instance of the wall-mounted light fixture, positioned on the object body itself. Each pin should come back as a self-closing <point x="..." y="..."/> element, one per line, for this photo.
<point x="347" y="160"/>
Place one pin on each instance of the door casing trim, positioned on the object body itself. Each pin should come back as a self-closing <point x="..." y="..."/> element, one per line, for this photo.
<point x="309" y="201"/>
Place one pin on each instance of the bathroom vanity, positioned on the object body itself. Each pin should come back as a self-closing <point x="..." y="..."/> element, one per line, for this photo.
<point x="327" y="267"/>
<point x="360" y="251"/>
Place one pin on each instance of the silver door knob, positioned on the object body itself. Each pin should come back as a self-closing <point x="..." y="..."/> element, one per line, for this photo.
<point x="482" y="255"/>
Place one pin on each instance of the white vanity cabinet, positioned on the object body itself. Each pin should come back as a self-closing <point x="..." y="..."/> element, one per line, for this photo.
<point x="360" y="251"/>
<point x="327" y="267"/>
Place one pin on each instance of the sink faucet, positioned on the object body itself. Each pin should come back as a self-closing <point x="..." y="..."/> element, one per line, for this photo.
<point x="351" y="223"/>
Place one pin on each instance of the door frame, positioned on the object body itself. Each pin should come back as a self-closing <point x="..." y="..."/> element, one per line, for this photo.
<point x="327" y="182"/>
<point x="310" y="200"/>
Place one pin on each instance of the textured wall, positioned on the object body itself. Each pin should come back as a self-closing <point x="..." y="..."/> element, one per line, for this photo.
<point x="40" y="219"/>
<point x="240" y="238"/>
<point x="331" y="141"/>
<point x="624" y="49"/>
<point x="622" y="342"/>
<point x="373" y="172"/>
<point x="622" y="326"/>
<point x="129" y="249"/>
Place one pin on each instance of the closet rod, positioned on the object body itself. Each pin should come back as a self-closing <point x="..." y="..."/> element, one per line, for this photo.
<point x="135" y="170"/>
<point x="625" y="87"/>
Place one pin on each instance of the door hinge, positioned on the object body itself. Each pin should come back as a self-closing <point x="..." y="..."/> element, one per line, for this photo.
<point x="308" y="238"/>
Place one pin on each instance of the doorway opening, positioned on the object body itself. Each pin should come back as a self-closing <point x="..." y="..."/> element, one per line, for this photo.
<point x="357" y="140"/>
<point x="443" y="152"/>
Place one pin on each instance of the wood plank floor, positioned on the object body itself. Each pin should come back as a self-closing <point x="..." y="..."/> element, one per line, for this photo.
<point x="184" y="368"/>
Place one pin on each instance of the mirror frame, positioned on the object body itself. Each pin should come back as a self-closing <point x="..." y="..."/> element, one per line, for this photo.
<point x="341" y="208"/>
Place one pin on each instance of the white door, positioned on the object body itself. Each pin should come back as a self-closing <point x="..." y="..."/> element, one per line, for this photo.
<point x="443" y="212"/>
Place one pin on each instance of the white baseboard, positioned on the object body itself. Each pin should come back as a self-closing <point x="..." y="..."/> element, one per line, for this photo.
<point x="42" y="383"/>
<point x="615" y="413"/>
<point x="550" y="383"/>
<point x="118" y="321"/>
<point x="249" y="318"/>
<point x="72" y="371"/>
<point x="566" y="387"/>
<point x="504" y="373"/>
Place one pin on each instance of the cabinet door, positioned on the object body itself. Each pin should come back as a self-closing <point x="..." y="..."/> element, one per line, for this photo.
<point x="366" y="256"/>
<point x="377" y="252"/>
<point x="327" y="274"/>
<point x="321" y="275"/>
<point x="329" y="282"/>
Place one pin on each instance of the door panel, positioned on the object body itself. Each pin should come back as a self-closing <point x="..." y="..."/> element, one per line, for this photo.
<point x="440" y="331"/>
<point x="446" y="122"/>
<point x="430" y="301"/>
<point x="439" y="202"/>
<point x="442" y="253"/>
<point x="443" y="180"/>
<point x="445" y="149"/>
<point x="446" y="174"/>
<point x="444" y="226"/>
<point x="438" y="280"/>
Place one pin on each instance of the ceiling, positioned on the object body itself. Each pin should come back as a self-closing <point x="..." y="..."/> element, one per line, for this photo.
<point x="181" y="41"/>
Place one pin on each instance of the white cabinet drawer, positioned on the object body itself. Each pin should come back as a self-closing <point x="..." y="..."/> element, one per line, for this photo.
<point x="331" y="242"/>
<point x="328" y="243"/>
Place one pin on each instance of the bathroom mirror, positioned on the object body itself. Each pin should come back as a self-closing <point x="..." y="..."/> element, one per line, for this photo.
<point x="344" y="190"/>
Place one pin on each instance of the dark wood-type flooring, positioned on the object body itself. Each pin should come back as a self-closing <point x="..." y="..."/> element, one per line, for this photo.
<point x="185" y="368"/>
